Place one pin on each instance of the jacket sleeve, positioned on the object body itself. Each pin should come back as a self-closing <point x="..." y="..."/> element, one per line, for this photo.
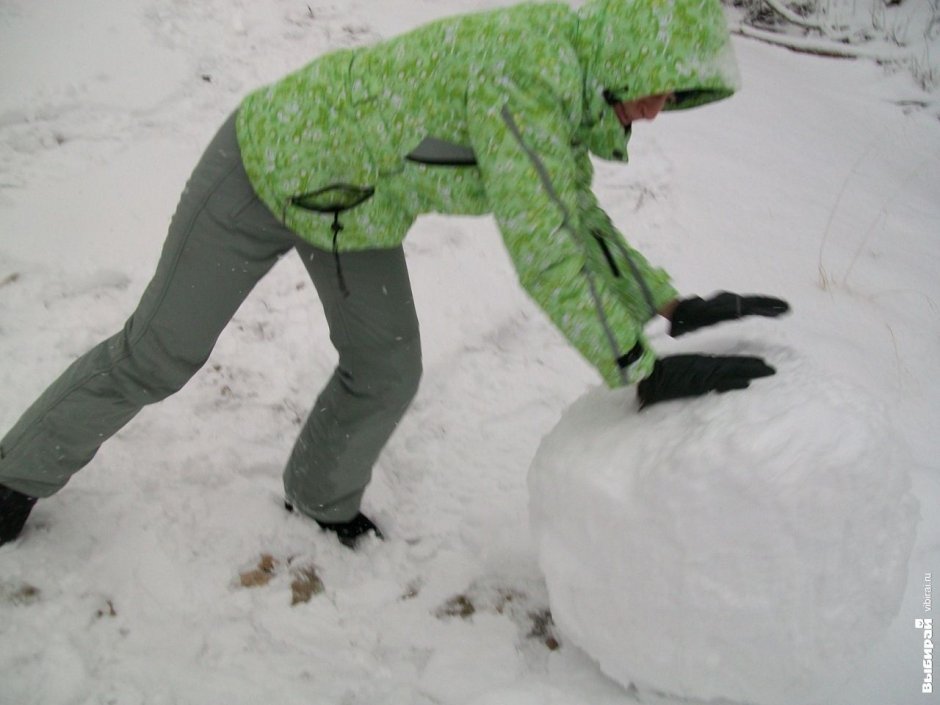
<point x="640" y="286"/>
<point x="567" y="254"/>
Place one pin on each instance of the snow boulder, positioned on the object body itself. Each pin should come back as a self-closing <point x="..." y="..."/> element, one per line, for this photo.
<point x="743" y="547"/>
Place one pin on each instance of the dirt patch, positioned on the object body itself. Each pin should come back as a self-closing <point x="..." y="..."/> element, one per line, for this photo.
<point x="457" y="606"/>
<point x="534" y="621"/>
<point x="305" y="585"/>
<point x="543" y="629"/>
<point x="412" y="591"/>
<point x="20" y="594"/>
<point x="260" y="575"/>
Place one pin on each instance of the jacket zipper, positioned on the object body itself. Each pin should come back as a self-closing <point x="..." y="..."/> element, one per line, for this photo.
<point x="566" y="225"/>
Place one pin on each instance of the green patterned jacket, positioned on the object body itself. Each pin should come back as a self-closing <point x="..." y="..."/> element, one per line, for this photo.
<point x="493" y="112"/>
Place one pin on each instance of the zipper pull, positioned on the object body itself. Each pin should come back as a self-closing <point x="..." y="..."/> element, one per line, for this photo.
<point x="336" y="227"/>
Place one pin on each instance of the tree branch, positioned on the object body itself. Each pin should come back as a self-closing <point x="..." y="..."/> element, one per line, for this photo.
<point x="790" y="16"/>
<point x="822" y="47"/>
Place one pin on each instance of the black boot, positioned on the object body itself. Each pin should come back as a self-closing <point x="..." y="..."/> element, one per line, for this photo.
<point x="14" y="508"/>
<point x="348" y="532"/>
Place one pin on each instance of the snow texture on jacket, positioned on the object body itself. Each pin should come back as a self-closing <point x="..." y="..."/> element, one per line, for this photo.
<point x="493" y="112"/>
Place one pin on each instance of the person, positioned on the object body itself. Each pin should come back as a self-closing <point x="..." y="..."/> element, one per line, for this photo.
<point x="491" y="112"/>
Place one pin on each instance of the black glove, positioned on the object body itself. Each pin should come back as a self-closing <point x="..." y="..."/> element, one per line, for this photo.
<point x="679" y="376"/>
<point x="696" y="312"/>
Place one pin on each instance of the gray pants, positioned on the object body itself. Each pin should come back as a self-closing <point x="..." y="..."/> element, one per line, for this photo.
<point x="221" y="241"/>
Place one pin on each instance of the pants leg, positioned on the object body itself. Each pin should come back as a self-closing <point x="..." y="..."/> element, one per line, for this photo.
<point x="221" y="241"/>
<point x="375" y="331"/>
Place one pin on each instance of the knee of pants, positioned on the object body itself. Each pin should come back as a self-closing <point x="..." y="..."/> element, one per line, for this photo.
<point x="392" y="373"/>
<point x="148" y="370"/>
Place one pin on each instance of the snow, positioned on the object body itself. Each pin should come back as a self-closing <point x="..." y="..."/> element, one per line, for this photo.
<point x="816" y="183"/>
<point x="901" y="35"/>
<point x="688" y="546"/>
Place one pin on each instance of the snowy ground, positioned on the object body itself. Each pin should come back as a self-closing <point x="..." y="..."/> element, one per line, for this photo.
<point x="817" y="183"/>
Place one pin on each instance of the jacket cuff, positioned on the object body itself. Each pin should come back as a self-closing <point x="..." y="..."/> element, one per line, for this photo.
<point x="661" y="289"/>
<point x="630" y="368"/>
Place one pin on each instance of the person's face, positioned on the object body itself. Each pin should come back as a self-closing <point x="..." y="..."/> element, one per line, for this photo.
<point x="641" y="109"/>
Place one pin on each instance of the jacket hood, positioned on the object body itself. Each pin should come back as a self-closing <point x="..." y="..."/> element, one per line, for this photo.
<point x="632" y="49"/>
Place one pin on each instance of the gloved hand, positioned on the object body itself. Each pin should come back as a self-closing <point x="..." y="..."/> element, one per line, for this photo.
<point x="696" y="312"/>
<point x="678" y="376"/>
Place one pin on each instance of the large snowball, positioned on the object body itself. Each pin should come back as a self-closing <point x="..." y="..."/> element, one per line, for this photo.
<point x="725" y="547"/>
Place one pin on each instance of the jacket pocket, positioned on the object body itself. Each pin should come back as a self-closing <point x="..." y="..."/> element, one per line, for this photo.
<point x="614" y="269"/>
<point x="435" y="152"/>
<point x="334" y="198"/>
